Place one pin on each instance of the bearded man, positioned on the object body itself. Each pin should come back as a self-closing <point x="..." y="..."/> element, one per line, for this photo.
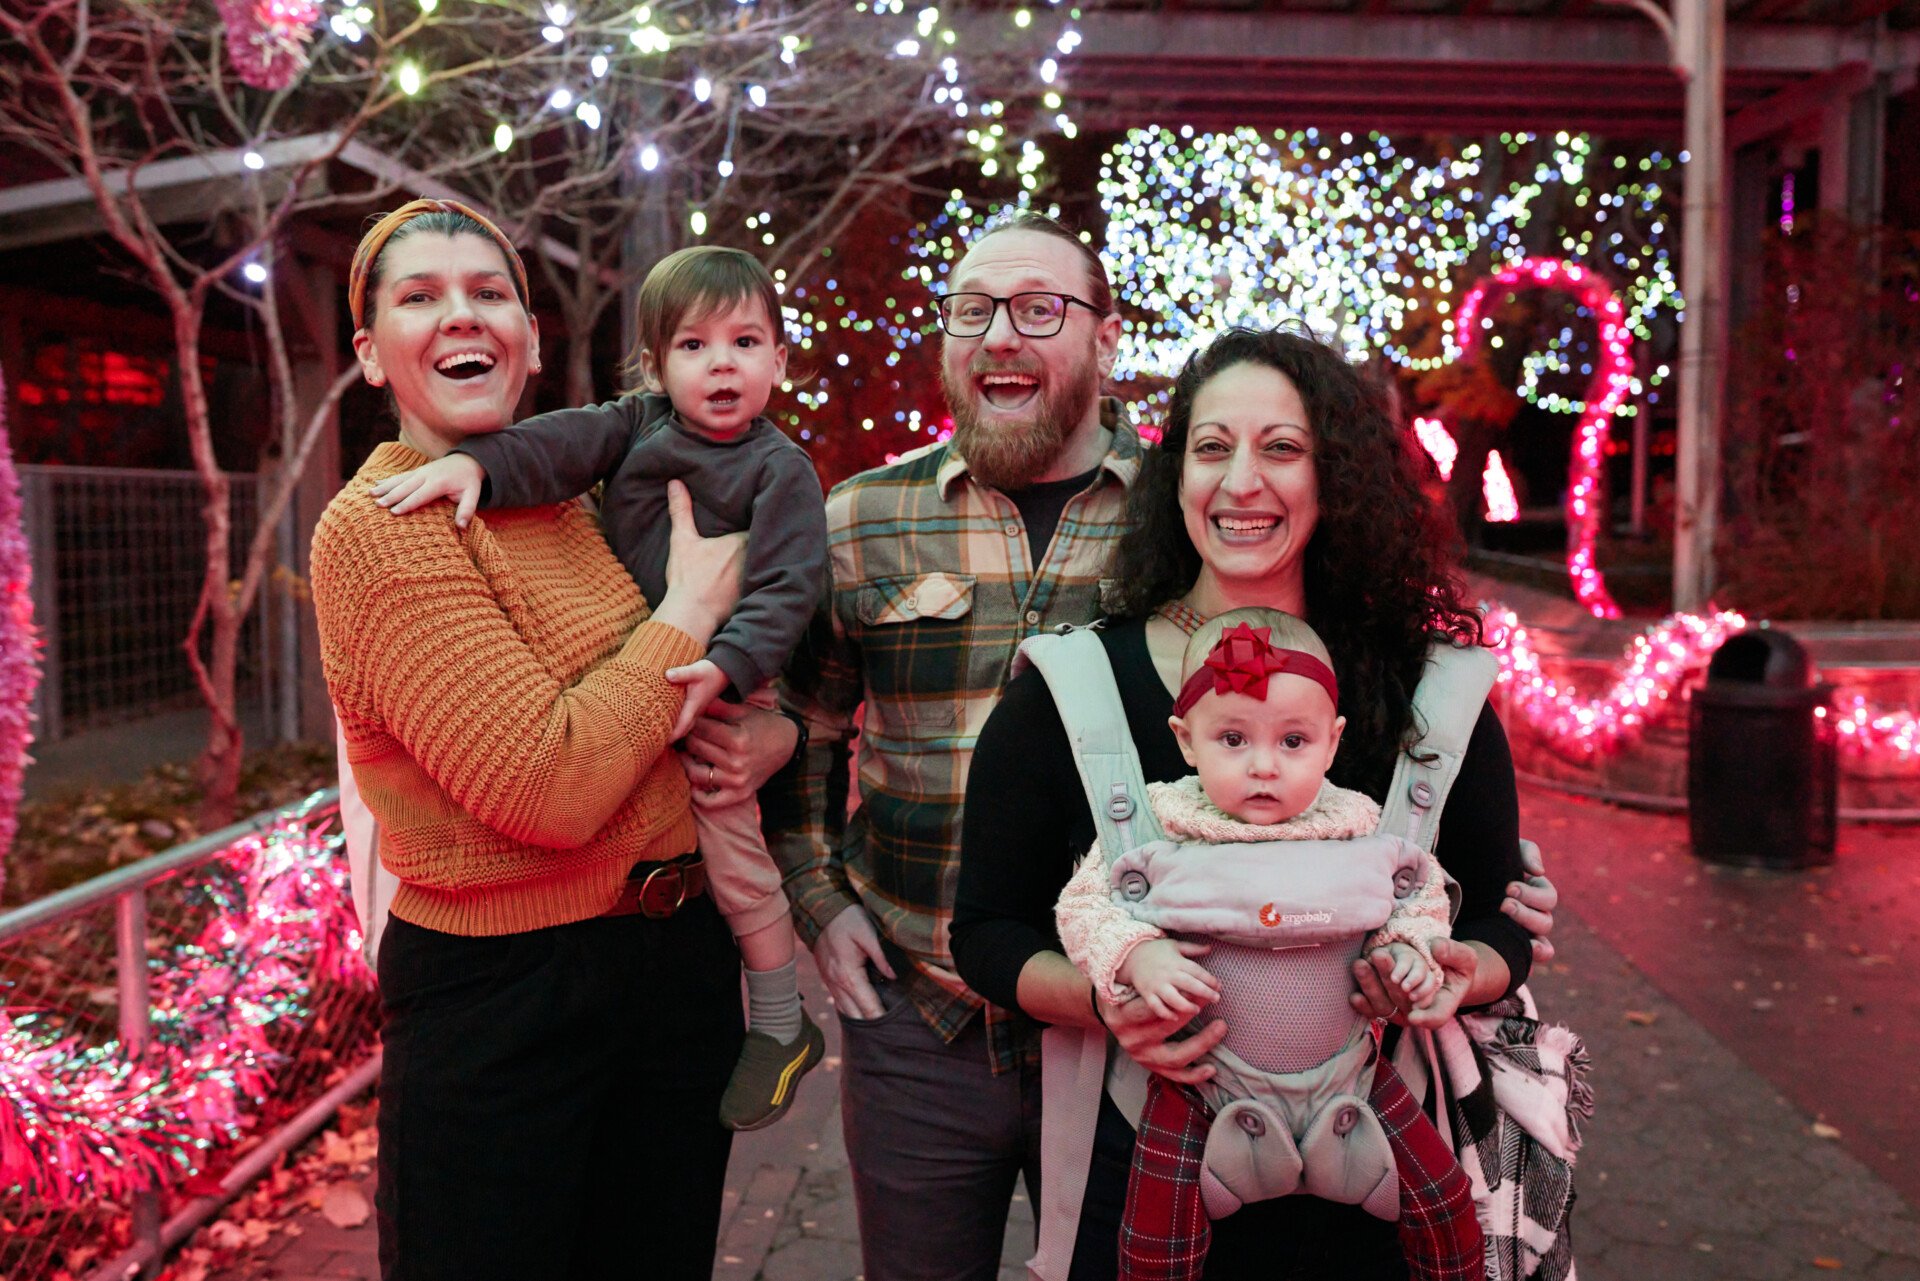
<point x="942" y="564"/>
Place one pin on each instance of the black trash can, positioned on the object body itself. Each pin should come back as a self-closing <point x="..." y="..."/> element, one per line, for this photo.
<point x="1761" y="768"/>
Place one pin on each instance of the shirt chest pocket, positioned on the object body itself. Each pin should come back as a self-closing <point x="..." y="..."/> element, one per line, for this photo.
<point x="914" y="629"/>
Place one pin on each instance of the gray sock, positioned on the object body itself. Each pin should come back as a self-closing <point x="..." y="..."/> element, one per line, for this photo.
<point x="773" y="1002"/>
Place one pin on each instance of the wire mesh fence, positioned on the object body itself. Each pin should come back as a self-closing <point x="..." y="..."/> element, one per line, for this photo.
<point x="118" y="559"/>
<point x="158" y="1022"/>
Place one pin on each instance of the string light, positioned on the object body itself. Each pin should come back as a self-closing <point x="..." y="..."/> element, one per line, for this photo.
<point x="1362" y="241"/>
<point x="1611" y="377"/>
<point x="1580" y="728"/>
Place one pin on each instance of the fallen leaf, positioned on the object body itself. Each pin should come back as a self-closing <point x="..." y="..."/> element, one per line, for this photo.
<point x="345" y="1206"/>
<point x="1645" y="1018"/>
<point x="226" y="1235"/>
<point x="256" y="1231"/>
<point x="1821" y="1130"/>
<point x="1830" y="1264"/>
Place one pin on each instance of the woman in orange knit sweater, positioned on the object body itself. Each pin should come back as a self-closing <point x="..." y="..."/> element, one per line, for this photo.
<point x="561" y="1000"/>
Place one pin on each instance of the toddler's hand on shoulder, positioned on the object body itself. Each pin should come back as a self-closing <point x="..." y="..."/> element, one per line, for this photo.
<point x="456" y="476"/>
<point x="703" y="682"/>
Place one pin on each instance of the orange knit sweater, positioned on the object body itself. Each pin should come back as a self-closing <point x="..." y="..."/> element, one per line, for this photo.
<point x="504" y="703"/>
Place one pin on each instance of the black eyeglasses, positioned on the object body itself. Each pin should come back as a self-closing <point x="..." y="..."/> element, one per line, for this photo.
<point x="1034" y="315"/>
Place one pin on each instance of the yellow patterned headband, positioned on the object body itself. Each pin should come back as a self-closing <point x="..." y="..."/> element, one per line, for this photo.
<point x="376" y="239"/>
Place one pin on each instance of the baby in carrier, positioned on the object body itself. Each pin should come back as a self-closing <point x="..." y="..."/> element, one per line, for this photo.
<point x="1275" y="875"/>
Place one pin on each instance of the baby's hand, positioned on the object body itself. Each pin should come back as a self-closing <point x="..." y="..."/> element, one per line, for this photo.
<point x="454" y="476"/>
<point x="1166" y="977"/>
<point x="703" y="682"/>
<point x="1411" y="982"/>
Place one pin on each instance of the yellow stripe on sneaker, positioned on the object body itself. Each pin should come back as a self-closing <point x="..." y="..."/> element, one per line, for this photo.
<point x="787" y="1076"/>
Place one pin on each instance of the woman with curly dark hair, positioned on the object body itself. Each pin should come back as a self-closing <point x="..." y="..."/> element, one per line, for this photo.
<point x="1281" y="481"/>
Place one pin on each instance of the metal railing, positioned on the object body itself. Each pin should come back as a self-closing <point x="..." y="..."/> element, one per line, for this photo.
<point x="118" y="558"/>
<point x="86" y="971"/>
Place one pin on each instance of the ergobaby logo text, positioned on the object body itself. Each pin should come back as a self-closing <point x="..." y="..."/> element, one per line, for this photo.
<point x="1273" y="918"/>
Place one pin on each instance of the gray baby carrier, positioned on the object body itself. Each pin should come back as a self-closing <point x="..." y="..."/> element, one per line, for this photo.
<point x="1329" y="1144"/>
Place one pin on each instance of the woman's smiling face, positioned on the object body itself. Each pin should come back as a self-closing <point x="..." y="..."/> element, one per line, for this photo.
<point x="449" y="337"/>
<point x="1249" y="492"/>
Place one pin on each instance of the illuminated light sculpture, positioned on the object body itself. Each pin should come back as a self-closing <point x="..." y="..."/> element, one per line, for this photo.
<point x="1439" y="444"/>
<point x="1612" y="378"/>
<point x="1497" y="488"/>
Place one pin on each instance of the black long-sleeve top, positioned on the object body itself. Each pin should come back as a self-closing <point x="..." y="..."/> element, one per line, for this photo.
<point x="1026" y="826"/>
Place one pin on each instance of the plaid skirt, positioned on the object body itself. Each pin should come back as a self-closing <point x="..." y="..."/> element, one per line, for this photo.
<point x="1165" y="1232"/>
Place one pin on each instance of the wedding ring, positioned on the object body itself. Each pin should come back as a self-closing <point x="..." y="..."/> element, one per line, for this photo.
<point x="711" y="785"/>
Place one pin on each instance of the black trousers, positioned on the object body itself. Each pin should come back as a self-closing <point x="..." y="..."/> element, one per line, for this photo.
<point x="549" y="1100"/>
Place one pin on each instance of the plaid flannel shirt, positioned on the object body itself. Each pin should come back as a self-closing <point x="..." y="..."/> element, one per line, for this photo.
<point x="933" y="589"/>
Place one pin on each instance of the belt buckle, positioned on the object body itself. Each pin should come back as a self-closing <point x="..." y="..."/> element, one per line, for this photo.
<point x="680" y="892"/>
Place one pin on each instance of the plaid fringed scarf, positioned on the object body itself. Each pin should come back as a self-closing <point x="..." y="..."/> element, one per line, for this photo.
<point x="1165" y="1232"/>
<point x="1517" y="1091"/>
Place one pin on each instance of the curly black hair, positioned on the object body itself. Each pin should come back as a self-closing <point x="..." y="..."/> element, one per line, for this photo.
<point x="1381" y="583"/>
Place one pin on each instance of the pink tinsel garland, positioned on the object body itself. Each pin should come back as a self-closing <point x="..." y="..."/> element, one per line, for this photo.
<point x="80" y="1123"/>
<point x="19" y="644"/>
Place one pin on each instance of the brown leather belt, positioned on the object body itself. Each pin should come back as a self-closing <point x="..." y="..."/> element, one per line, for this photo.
<point x="658" y="890"/>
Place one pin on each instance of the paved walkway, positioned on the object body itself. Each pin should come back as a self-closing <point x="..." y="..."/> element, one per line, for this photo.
<point x="1728" y="1013"/>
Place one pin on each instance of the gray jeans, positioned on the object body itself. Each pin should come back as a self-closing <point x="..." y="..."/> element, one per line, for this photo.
<point x="935" y="1141"/>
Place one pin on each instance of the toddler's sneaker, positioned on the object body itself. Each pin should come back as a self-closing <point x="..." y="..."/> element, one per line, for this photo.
<point x="767" y="1077"/>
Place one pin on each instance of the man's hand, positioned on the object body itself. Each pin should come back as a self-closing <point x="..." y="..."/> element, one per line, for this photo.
<point x="841" y="954"/>
<point x="454" y="476"/>
<point x="1172" y="985"/>
<point x="1143" y="1035"/>
<point x="1373" y="997"/>
<point x="742" y="745"/>
<point x="702" y="682"/>
<point x="1531" y="902"/>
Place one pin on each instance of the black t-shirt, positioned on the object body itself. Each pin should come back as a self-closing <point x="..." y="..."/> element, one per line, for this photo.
<point x="1026" y="826"/>
<point x="1040" y="507"/>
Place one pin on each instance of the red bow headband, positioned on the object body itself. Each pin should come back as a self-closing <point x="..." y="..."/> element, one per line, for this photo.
<point x="1240" y="663"/>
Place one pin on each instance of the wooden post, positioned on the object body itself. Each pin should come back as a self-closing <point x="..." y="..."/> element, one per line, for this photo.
<point x="1700" y="31"/>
